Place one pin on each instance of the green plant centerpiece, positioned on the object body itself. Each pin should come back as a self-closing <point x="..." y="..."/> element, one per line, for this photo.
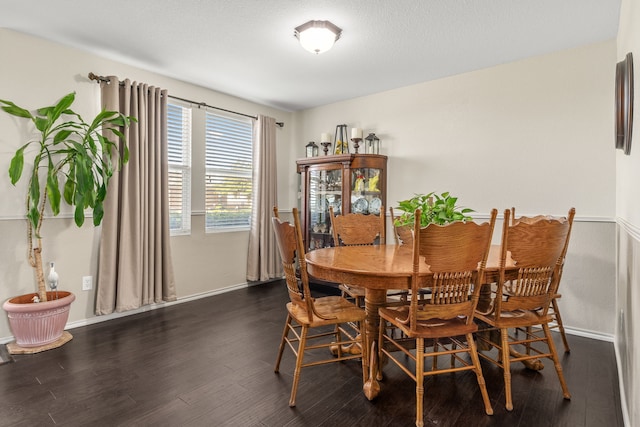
<point x="70" y="160"/>
<point x="435" y="209"/>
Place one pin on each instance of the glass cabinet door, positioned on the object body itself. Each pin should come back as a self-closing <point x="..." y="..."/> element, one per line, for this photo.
<point x="325" y="189"/>
<point x="365" y="192"/>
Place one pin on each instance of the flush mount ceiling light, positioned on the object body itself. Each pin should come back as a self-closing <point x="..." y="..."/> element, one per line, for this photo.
<point x="317" y="36"/>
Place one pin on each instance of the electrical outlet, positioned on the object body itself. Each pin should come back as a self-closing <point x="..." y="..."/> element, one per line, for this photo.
<point x="87" y="283"/>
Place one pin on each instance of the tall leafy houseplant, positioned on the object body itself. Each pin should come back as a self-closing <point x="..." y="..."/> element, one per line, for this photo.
<point x="69" y="160"/>
<point x="435" y="208"/>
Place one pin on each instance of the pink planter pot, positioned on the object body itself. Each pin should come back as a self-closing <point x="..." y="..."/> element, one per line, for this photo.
<point x="38" y="324"/>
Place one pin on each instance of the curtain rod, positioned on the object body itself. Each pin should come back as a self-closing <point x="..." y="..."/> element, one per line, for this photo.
<point x="99" y="79"/>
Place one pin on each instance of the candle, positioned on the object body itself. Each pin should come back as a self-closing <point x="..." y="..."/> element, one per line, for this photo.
<point x="356" y="133"/>
<point x="325" y="137"/>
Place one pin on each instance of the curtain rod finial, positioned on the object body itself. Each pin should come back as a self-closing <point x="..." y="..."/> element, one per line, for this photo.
<point x="97" y="78"/>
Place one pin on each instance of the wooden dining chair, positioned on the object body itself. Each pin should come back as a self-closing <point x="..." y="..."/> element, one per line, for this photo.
<point x="554" y="309"/>
<point x="357" y="230"/>
<point x="402" y="234"/>
<point x="523" y="296"/>
<point x="456" y="255"/>
<point x="330" y="318"/>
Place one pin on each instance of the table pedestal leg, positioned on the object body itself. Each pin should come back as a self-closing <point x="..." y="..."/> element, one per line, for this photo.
<point x="374" y="298"/>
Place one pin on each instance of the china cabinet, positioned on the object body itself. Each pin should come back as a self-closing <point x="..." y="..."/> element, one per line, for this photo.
<point x="347" y="182"/>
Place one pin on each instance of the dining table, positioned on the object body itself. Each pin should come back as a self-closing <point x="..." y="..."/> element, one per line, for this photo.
<point x="378" y="269"/>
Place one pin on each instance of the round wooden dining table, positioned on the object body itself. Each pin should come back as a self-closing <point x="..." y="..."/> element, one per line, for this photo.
<point x="377" y="269"/>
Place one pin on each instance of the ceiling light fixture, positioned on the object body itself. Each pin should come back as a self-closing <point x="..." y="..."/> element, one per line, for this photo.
<point x="317" y="36"/>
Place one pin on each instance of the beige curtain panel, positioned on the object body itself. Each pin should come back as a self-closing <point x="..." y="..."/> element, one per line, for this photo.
<point x="263" y="261"/>
<point x="135" y="267"/>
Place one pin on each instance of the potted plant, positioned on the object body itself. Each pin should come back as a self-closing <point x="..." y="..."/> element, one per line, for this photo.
<point x="435" y="208"/>
<point x="70" y="160"/>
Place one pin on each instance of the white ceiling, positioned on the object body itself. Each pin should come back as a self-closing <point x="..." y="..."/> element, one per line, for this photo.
<point x="246" y="48"/>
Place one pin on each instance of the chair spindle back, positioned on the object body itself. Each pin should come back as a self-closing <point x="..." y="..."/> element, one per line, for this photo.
<point x="289" y="238"/>
<point x="537" y="246"/>
<point x="356" y="229"/>
<point x="456" y="254"/>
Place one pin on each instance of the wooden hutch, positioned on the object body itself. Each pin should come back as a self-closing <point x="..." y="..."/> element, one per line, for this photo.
<point x="348" y="182"/>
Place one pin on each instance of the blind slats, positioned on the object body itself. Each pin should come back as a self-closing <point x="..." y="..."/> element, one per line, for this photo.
<point x="179" y="156"/>
<point x="228" y="159"/>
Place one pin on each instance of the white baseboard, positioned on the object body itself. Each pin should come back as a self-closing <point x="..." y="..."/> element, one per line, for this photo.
<point x="589" y="334"/>
<point x="623" y="395"/>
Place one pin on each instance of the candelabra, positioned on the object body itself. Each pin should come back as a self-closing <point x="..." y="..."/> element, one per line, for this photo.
<point x="356" y="143"/>
<point x="325" y="146"/>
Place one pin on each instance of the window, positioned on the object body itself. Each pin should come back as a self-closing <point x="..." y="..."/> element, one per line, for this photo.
<point x="179" y="150"/>
<point x="228" y="181"/>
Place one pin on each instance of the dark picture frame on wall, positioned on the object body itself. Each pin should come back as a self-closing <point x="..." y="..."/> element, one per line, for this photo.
<point x="624" y="104"/>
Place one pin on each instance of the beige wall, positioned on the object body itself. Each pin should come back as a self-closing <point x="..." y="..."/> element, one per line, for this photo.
<point x="35" y="73"/>
<point x="628" y="233"/>
<point x="534" y="134"/>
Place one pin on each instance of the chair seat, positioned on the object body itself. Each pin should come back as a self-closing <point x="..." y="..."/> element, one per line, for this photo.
<point x="432" y="328"/>
<point x="335" y="309"/>
<point x="353" y="291"/>
<point x="513" y="319"/>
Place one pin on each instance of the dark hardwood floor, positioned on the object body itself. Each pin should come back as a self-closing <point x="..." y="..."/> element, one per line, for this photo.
<point x="210" y="363"/>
